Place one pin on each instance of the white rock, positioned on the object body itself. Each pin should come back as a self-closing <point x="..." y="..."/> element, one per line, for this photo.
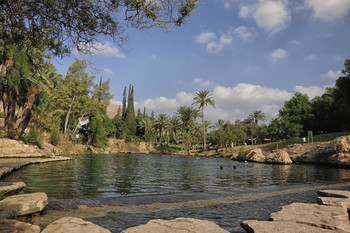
<point x="73" y="225"/>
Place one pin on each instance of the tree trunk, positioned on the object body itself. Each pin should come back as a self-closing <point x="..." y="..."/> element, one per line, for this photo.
<point x="9" y="98"/>
<point x="204" y="131"/>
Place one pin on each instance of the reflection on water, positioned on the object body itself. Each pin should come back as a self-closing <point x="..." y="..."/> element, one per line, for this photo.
<point x="132" y="174"/>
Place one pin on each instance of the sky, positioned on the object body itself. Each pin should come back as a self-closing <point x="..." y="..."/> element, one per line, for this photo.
<point x="249" y="54"/>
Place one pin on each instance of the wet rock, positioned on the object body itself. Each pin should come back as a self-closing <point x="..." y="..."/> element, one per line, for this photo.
<point x="74" y="225"/>
<point x="253" y="226"/>
<point x="178" y="225"/>
<point x="26" y="203"/>
<point x="279" y="156"/>
<point x="6" y="187"/>
<point x="329" y="217"/>
<point x="339" y="145"/>
<point x="8" y="212"/>
<point x="13" y="226"/>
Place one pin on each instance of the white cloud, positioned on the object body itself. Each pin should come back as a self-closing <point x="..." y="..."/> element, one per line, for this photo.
<point x="329" y="9"/>
<point x="311" y="91"/>
<point x="332" y="74"/>
<point x="106" y="49"/>
<point x="310" y="57"/>
<point x="201" y="82"/>
<point x="269" y="14"/>
<point x="279" y="54"/>
<point x="217" y="46"/>
<point x="153" y="57"/>
<point x="249" y="95"/>
<point x="270" y="110"/>
<point x="244" y="33"/>
<point x="108" y="71"/>
<point x="205" y="37"/>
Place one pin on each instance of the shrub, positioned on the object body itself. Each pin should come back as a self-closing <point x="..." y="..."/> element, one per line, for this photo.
<point x="55" y="136"/>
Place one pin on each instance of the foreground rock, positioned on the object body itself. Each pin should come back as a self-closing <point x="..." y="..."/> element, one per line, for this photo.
<point x="73" y="225"/>
<point x="329" y="217"/>
<point x="26" y="203"/>
<point x="179" y="225"/>
<point x="6" y="187"/>
<point x="13" y="226"/>
<point x="8" y="212"/>
<point x="287" y="227"/>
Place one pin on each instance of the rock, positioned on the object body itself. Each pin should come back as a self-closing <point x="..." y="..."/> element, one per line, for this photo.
<point x="329" y="217"/>
<point x="8" y="212"/>
<point x="334" y="193"/>
<point x="279" y="156"/>
<point x="13" y="226"/>
<point x="73" y="225"/>
<point x="339" y="145"/>
<point x="253" y="226"/>
<point x="6" y="187"/>
<point x="179" y="225"/>
<point x="334" y="201"/>
<point x="256" y="155"/>
<point x="26" y="203"/>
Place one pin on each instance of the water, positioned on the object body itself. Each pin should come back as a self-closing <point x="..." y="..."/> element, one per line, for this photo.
<point x="129" y="189"/>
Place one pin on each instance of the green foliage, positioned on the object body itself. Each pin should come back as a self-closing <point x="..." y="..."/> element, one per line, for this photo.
<point x="130" y="112"/>
<point x="34" y="138"/>
<point x="55" y="136"/>
<point x="101" y="130"/>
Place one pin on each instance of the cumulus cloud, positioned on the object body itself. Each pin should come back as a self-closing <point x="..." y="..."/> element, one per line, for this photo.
<point x="311" y="91"/>
<point x="249" y="95"/>
<point x="328" y="9"/>
<point x="106" y="49"/>
<point x="244" y="33"/>
<point x="270" y="110"/>
<point x="332" y="74"/>
<point x="205" y="37"/>
<point x="153" y="57"/>
<point x="278" y="54"/>
<point x="200" y="82"/>
<point x="268" y="14"/>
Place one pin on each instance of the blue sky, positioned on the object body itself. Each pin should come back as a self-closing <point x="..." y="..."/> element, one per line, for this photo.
<point x="250" y="54"/>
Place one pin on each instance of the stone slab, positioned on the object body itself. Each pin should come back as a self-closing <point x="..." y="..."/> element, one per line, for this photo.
<point x="254" y="226"/>
<point x="8" y="212"/>
<point x="13" y="226"/>
<point x="334" y="193"/>
<point x="334" y="201"/>
<point x="26" y="203"/>
<point x="6" y="187"/>
<point x="73" y="225"/>
<point x="178" y="225"/>
<point x="328" y="217"/>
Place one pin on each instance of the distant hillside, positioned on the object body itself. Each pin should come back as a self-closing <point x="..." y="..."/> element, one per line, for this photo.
<point x="112" y="110"/>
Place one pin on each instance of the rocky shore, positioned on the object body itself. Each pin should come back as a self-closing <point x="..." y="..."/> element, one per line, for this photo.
<point x="329" y="215"/>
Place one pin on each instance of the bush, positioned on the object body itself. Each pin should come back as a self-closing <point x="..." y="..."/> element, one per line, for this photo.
<point x="55" y="136"/>
<point x="35" y="138"/>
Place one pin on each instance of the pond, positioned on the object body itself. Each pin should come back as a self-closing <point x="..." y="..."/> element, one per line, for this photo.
<point x="204" y="188"/>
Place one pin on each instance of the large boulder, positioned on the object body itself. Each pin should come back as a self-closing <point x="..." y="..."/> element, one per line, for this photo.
<point x="334" y="193"/>
<point x="279" y="156"/>
<point x="179" y="225"/>
<point x="256" y="155"/>
<point x="330" y="217"/>
<point x="26" y="203"/>
<point x="339" y="145"/>
<point x="13" y="226"/>
<point x="73" y="225"/>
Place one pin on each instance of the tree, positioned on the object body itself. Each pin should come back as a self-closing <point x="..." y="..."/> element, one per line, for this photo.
<point x="161" y="121"/>
<point x="257" y="116"/>
<point x="130" y="112"/>
<point x="29" y="29"/>
<point x="203" y="98"/>
<point x="187" y="115"/>
<point x="124" y="105"/>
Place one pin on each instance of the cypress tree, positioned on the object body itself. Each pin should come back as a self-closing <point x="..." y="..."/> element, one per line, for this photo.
<point x="119" y="112"/>
<point x="130" y="113"/>
<point x="124" y="105"/>
<point x="144" y="111"/>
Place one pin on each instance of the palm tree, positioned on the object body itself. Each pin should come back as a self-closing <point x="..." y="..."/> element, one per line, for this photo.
<point x="147" y="124"/>
<point x="174" y="126"/>
<point x="257" y="116"/>
<point x="219" y="124"/>
<point x="203" y="98"/>
<point x="187" y="115"/>
<point x="161" y="122"/>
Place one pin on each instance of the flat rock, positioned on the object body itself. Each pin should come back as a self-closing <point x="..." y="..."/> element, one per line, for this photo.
<point x="26" y="203"/>
<point x="73" y="225"/>
<point x="179" y="225"/>
<point x="6" y="187"/>
<point x="329" y="217"/>
<point x="334" y="193"/>
<point x="13" y="226"/>
<point x="334" y="201"/>
<point x="253" y="226"/>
